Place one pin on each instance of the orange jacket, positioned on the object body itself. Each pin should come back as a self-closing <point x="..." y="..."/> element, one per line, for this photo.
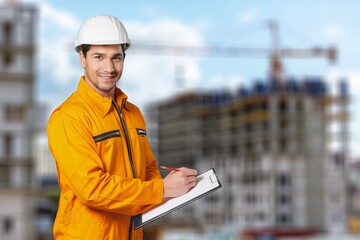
<point x="106" y="169"/>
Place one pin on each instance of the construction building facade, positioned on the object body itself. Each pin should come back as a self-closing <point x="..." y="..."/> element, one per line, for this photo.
<point x="279" y="149"/>
<point x="17" y="121"/>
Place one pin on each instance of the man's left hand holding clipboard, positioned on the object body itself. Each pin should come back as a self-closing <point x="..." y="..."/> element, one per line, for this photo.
<point x="207" y="182"/>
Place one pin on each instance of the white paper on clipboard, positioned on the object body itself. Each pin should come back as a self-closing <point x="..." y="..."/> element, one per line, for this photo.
<point x="207" y="182"/>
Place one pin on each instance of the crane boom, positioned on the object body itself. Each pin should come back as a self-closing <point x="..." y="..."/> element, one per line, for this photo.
<point x="275" y="53"/>
<point x="329" y="53"/>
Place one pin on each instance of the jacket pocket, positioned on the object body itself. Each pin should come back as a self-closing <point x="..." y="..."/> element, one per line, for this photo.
<point x="139" y="145"/>
<point x="106" y="135"/>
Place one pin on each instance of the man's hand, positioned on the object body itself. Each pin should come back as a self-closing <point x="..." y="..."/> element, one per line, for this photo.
<point x="179" y="182"/>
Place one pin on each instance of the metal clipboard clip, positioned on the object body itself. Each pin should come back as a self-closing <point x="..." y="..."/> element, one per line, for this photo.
<point x="213" y="178"/>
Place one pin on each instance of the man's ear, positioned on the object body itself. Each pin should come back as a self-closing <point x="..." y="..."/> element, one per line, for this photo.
<point x="82" y="59"/>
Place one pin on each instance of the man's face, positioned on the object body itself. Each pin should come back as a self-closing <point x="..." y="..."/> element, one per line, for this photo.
<point x="103" y="66"/>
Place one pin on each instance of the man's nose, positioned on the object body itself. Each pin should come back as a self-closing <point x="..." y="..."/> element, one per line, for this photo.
<point x="109" y="66"/>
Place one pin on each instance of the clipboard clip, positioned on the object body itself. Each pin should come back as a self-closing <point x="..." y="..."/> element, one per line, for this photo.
<point x="213" y="178"/>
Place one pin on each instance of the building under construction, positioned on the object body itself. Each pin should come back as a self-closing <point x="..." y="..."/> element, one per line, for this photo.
<point x="17" y="121"/>
<point x="279" y="148"/>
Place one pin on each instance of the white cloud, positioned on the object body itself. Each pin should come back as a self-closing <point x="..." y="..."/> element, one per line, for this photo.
<point x="168" y="31"/>
<point x="333" y="30"/>
<point x="59" y="18"/>
<point x="148" y="78"/>
<point x="249" y="15"/>
<point x="58" y="61"/>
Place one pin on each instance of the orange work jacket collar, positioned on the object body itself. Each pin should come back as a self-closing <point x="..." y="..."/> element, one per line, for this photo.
<point x="100" y="104"/>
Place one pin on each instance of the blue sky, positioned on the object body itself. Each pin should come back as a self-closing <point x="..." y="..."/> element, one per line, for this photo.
<point x="232" y="23"/>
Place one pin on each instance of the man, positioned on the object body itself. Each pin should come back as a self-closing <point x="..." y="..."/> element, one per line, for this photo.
<point x="106" y="169"/>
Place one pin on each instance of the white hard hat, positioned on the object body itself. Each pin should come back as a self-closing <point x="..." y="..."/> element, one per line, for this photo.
<point x="102" y="30"/>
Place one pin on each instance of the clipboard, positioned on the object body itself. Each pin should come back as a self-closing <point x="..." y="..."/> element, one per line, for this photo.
<point x="207" y="183"/>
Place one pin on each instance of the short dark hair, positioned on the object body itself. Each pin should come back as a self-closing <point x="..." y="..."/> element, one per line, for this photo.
<point x="83" y="48"/>
<point x="86" y="47"/>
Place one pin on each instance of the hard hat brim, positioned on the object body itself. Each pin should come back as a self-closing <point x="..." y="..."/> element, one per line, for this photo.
<point x="126" y="45"/>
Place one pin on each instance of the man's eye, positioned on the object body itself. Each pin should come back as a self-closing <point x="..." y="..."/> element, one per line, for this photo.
<point x="98" y="57"/>
<point x="118" y="58"/>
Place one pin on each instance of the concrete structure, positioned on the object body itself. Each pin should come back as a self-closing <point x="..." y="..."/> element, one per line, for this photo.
<point x="17" y="121"/>
<point x="279" y="149"/>
<point x="354" y="200"/>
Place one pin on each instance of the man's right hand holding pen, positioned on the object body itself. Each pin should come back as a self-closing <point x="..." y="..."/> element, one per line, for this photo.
<point x="179" y="181"/>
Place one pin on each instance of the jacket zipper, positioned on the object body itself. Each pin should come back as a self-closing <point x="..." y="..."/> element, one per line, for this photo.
<point x="107" y="135"/>
<point x="119" y="111"/>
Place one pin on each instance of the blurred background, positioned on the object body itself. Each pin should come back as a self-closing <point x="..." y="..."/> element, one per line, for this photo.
<point x="266" y="93"/>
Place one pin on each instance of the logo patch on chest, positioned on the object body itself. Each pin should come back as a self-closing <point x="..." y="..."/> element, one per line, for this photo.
<point x="141" y="132"/>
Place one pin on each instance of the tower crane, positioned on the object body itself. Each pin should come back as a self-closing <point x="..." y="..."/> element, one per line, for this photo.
<point x="275" y="54"/>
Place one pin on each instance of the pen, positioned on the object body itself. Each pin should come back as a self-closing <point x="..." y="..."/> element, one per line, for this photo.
<point x="169" y="168"/>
